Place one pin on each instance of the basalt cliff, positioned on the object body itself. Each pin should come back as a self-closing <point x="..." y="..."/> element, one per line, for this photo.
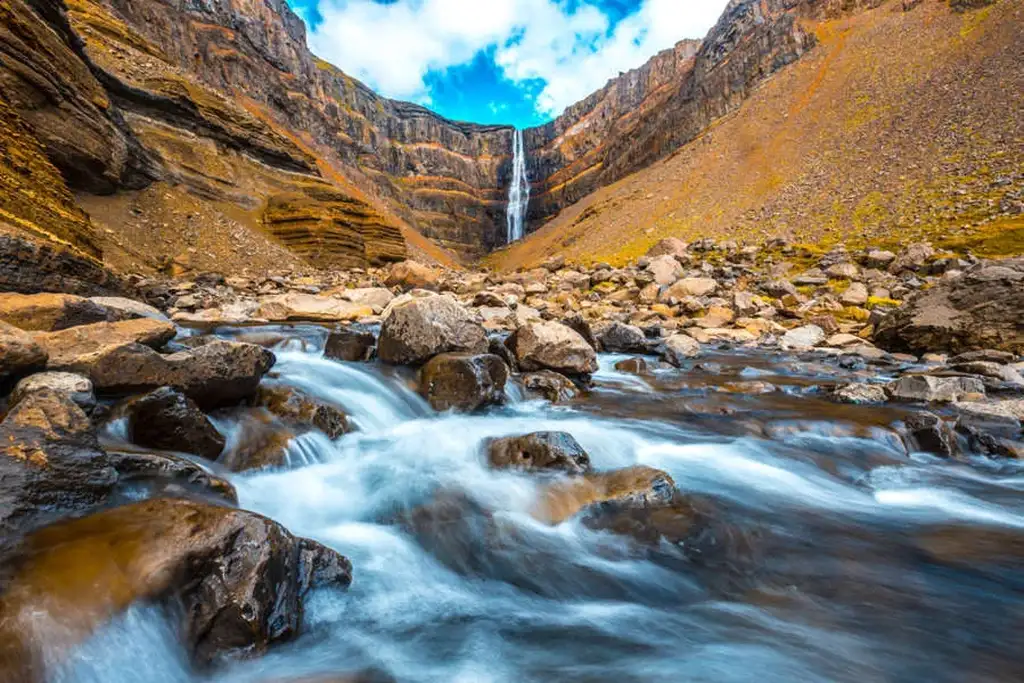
<point x="203" y="134"/>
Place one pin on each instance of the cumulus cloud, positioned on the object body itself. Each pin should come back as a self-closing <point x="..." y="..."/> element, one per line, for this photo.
<point x="573" y="49"/>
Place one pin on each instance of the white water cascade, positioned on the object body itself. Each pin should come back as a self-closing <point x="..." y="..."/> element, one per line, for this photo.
<point x="519" y="191"/>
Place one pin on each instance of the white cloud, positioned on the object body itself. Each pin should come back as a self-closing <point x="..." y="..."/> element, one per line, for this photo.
<point x="394" y="46"/>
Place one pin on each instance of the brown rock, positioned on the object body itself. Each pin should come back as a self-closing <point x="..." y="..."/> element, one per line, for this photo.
<point x="299" y="409"/>
<point x="351" y="345"/>
<point x="76" y="387"/>
<point x="412" y="275"/>
<point x="73" y="347"/>
<point x="679" y="348"/>
<point x="669" y="246"/>
<point x="295" y="306"/>
<point x="552" y="346"/>
<point x="463" y="381"/>
<point x="419" y="329"/>
<point x="51" y="312"/>
<point x="168" y="474"/>
<point x="551" y="386"/>
<point x="19" y="353"/>
<point x="540" y="451"/>
<point x="263" y="443"/>
<point x="240" y="578"/>
<point x="166" y="419"/>
<point x="632" y="487"/>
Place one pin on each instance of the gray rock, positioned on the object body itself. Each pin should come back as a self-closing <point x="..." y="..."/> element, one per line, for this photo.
<point x="934" y="389"/>
<point x="76" y="387"/>
<point x="557" y="451"/>
<point x="860" y="394"/>
<point x="418" y="329"/>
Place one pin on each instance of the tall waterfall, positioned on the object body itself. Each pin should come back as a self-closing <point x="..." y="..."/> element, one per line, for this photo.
<point x="519" y="191"/>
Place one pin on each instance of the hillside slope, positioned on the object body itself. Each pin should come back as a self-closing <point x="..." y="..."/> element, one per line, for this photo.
<point x="898" y="124"/>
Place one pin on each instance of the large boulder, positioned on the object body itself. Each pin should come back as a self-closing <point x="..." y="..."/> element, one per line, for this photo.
<point x="463" y="381"/>
<point x="129" y="308"/>
<point x="68" y="348"/>
<point x="351" y="345"/>
<point x="51" y="463"/>
<point x="550" y="345"/>
<point x="540" y="451"/>
<point x="412" y="275"/>
<point x="551" y="385"/>
<point x="148" y="474"/>
<point x="262" y="442"/>
<point x="689" y="286"/>
<point x="935" y="389"/>
<point x="981" y="309"/>
<point x="20" y="354"/>
<point x="51" y="312"/>
<point x="237" y="581"/>
<point x="616" y="337"/>
<point x="665" y="269"/>
<point x="803" y="337"/>
<point x="214" y="375"/>
<point x="418" y="329"/>
<point x="166" y="419"/>
<point x="296" y="306"/>
<point x="679" y="348"/>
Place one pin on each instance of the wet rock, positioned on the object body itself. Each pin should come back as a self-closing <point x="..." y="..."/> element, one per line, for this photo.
<point x="166" y="419"/>
<point x="552" y="346"/>
<point x="76" y="346"/>
<point x="409" y="275"/>
<point x="551" y="385"/>
<point x="51" y="312"/>
<point x="860" y="394"/>
<point x="929" y="433"/>
<point x="419" y="329"/>
<point x="299" y="409"/>
<point x="678" y="349"/>
<point x="632" y="487"/>
<point x="981" y="309"/>
<point x="463" y="381"/>
<point x="51" y="463"/>
<point x="805" y="337"/>
<point x="351" y="345"/>
<point x="935" y="389"/>
<point x="262" y="442"/>
<point x="540" y="451"/>
<point x="19" y="353"/>
<point x="214" y="375"/>
<point x="616" y="337"/>
<point x="636" y="366"/>
<point x="236" y="580"/>
<point x="168" y="474"/>
<point x="295" y="306"/>
<point x="75" y="387"/>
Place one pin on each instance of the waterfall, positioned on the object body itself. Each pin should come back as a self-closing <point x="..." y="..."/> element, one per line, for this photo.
<point x="519" y="191"/>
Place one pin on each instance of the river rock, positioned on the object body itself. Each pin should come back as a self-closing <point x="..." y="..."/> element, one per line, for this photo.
<point x="166" y="419"/>
<point x="929" y="433"/>
<point x="860" y="393"/>
<point x="935" y="389"/>
<point x="262" y="442"/>
<point x="214" y="375"/>
<point x="678" y="349"/>
<point x="295" y="306"/>
<point x="409" y="275"/>
<point x="805" y="337"/>
<point x="616" y="337"/>
<point x="19" y="353"/>
<point x="981" y="309"/>
<point x="151" y="475"/>
<point x="552" y="346"/>
<point x="632" y="487"/>
<point x="351" y="345"/>
<point x="76" y="387"/>
<point x="634" y="366"/>
<point x="72" y="347"/>
<point x="300" y="409"/>
<point x="237" y="580"/>
<point x="51" y="462"/>
<point x="51" y="312"/>
<point x="416" y="330"/>
<point x="463" y="381"/>
<point x="540" y="451"/>
<point x="551" y="385"/>
<point x="129" y="308"/>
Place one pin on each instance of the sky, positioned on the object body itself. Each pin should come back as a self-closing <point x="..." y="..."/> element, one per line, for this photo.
<point x="518" y="62"/>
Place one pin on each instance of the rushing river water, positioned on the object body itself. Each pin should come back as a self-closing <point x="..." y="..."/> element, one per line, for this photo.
<point x="845" y="559"/>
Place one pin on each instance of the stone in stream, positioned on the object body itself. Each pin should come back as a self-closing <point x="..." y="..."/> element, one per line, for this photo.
<point x="166" y="419"/>
<point x="20" y="355"/>
<point x="76" y="387"/>
<point x="262" y="442"/>
<point x="805" y="337"/>
<point x="631" y="487"/>
<point x="635" y="366"/>
<point x="69" y="348"/>
<point x="168" y="474"/>
<point x="981" y="309"/>
<point x="237" y="581"/>
<point x="540" y="451"/>
<point x="51" y="463"/>
<point x="860" y="393"/>
<point x="299" y="409"/>
<point x="52" y="312"/>
<point x="616" y="337"/>
<point x="552" y="346"/>
<point x="463" y="381"/>
<point x="351" y="345"/>
<point x="416" y="330"/>
<point x="935" y="389"/>
<point x="929" y="433"/>
<point x="678" y="349"/>
<point x="215" y="375"/>
<point x="551" y="385"/>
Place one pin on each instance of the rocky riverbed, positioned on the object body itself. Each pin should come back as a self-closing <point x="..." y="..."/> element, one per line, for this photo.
<point x="717" y="458"/>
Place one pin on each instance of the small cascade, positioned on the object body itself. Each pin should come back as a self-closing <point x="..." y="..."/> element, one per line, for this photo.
<point x="519" y="191"/>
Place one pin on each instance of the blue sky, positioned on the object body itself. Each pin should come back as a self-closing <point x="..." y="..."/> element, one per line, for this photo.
<point x="518" y="62"/>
